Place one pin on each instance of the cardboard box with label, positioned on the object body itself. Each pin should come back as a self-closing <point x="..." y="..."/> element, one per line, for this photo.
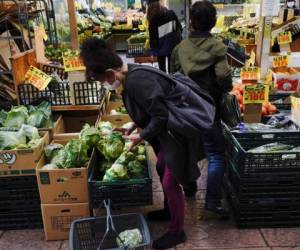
<point x="57" y="218"/>
<point x="63" y="186"/>
<point x="22" y="161"/>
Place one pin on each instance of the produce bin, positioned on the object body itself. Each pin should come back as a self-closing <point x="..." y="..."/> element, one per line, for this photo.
<point x="135" y="50"/>
<point x="126" y="193"/>
<point x="237" y="145"/>
<point x="59" y="70"/>
<point x="117" y="120"/>
<point x="21" y="220"/>
<point x="22" y="161"/>
<point x="63" y="93"/>
<point x="62" y="186"/>
<point x="113" y="105"/>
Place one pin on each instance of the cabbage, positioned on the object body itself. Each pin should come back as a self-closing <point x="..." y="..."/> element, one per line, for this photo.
<point x="141" y="158"/>
<point x="16" y="117"/>
<point x="105" y="128"/>
<point x="10" y="140"/>
<point x="30" y="132"/>
<point x="130" y="238"/>
<point x="49" y="167"/>
<point x="3" y="116"/>
<point x="40" y="116"/>
<point x="141" y="150"/>
<point x="60" y="158"/>
<point x="136" y="170"/>
<point x="77" y="154"/>
<point x="114" y="146"/>
<point x="52" y="150"/>
<point x="116" y="172"/>
<point x="90" y="135"/>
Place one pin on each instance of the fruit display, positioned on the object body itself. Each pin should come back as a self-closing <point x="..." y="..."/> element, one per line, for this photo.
<point x="267" y="108"/>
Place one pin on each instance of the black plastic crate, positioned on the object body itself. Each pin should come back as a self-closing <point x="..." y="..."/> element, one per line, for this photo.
<point x="57" y="94"/>
<point x="135" y="192"/>
<point x="246" y="162"/>
<point x="11" y="206"/>
<point x="19" y="194"/>
<point x="280" y="96"/>
<point x="21" y="220"/>
<point x="14" y="182"/>
<point x="88" y="93"/>
<point x="136" y="50"/>
<point x="59" y="70"/>
<point x="264" y="185"/>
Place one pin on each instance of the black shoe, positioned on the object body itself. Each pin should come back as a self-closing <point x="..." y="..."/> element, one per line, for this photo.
<point x="190" y="190"/>
<point x="213" y="211"/>
<point x="216" y="208"/>
<point x="169" y="240"/>
<point x="159" y="215"/>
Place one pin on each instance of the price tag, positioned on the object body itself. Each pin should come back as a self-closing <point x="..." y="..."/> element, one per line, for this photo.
<point x="250" y="73"/>
<point x="219" y="6"/>
<point x="256" y="94"/>
<point x="284" y="38"/>
<point x="73" y="63"/>
<point x="37" y="78"/>
<point x="281" y="61"/>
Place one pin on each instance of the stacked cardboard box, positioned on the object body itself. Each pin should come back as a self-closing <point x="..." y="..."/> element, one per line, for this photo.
<point x="64" y="197"/>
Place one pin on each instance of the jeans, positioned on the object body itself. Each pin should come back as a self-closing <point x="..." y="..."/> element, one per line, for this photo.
<point x="173" y="194"/>
<point x="214" y="146"/>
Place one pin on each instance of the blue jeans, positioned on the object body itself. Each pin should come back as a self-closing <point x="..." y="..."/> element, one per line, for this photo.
<point x="214" y="146"/>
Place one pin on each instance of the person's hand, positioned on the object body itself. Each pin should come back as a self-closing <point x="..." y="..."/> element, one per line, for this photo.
<point x="134" y="138"/>
<point x="126" y="131"/>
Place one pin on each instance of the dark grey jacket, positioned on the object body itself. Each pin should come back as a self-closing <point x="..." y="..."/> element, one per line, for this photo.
<point x="143" y="95"/>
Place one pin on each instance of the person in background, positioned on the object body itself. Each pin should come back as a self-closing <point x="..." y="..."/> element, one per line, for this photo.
<point x="144" y="95"/>
<point x="203" y="58"/>
<point x="164" y="31"/>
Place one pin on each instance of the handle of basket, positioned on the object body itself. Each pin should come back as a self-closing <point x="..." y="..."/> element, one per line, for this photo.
<point x="109" y="220"/>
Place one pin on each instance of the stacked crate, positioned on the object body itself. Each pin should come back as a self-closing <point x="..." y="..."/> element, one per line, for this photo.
<point x="263" y="188"/>
<point x="19" y="202"/>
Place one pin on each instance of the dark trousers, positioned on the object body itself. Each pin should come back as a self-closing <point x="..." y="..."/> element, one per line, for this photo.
<point x="162" y="63"/>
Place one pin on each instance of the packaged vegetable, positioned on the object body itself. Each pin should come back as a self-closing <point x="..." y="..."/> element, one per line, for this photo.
<point x="130" y="238"/>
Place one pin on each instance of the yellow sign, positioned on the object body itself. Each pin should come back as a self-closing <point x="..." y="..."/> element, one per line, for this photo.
<point x="73" y="63"/>
<point x="37" y="78"/>
<point x="250" y="73"/>
<point x="283" y="38"/>
<point x="219" y="6"/>
<point x="281" y="61"/>
<point x="256" y="94"/>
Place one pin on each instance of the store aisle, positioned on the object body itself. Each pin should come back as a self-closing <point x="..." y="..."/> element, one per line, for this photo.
<point x="202" y="235"/>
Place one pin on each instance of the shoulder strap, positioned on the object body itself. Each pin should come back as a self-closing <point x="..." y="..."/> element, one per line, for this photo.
<point x="153" y="70"/>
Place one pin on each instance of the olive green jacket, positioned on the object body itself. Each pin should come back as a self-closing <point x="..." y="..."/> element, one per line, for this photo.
<point x="203" y="58"/>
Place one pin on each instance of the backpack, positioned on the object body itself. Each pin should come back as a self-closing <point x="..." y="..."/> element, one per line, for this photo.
<point x="191" y="109"/>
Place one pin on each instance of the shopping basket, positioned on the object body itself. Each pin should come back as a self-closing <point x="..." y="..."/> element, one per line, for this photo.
<point x="102" y="233"/>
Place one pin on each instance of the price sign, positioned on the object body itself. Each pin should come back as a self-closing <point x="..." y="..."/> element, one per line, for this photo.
<point x="37" y="78"/>
<point x="73" y="63"/>
<point x="219" y="6"/>
<point x="283" y="38"/>
<point x="250" y="73"/>
<point x="256" y="94"/>
<point x="280" y="61"/>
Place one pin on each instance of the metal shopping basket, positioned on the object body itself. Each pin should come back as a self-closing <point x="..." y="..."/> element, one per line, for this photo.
<point x="101" y="233"/>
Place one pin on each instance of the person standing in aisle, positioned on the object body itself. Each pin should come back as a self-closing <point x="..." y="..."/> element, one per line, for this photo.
<point x="203" y="58"/>
<point x="146" y="94"/>
<point x="164" y="31"/>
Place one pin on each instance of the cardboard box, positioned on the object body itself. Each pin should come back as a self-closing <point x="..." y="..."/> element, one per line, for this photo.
<point x="117" y="120"/>
<point x="113" y="105"/>
<point x="56" y="128"/>
<point x="286" y="80"/>
<point x="73" y="121"/>
<point x="295" y="99"/>
<point x="62" y="186"/>
<point x="22" y="161"/>
<point x="57" y="218"/>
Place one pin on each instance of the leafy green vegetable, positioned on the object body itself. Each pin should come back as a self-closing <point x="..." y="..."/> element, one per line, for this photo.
<point x="130" y="238"/>
<point x="16" y="117"/>
<point x="50" y="166"/>
<point x="141" y="150"/>
<point x="60" y="158"/>
<point x="105" y="128"/>
<point x="141" y="158"/>
<point x="3" y="116"/>
<point x="271" y="147"/>
<point x="114" y="146"/>
<point x="116" y="172"/>
<point x="90" y="135"/>
<point x="40" y="116"/>
<point x="76" y="154"/>
<point x="30" y="132"/>
<point x="136" y="170"/>
<point x="10" y="140"/>
<point x="52" y="150"/>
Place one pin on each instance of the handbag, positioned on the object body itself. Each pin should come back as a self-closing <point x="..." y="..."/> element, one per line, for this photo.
<point x="230" y="110"/>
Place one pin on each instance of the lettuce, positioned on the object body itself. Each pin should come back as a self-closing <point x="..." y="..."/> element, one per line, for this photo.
<point x="16" y="117"/>
<point x="90" y="135"/>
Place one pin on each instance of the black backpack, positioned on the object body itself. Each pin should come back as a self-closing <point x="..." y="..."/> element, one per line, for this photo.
<point x="191" y="108"/>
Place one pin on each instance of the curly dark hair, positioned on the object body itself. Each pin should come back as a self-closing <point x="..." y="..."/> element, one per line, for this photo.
<point x="97" y="57"/>
<point x="203" y="15"/>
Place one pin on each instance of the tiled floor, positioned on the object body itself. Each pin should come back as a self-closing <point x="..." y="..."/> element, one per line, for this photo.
<point x="201" y="235"/>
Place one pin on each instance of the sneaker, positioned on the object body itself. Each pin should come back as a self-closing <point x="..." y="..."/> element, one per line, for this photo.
<point x="190" y="190"/>
<point x="159" y="215"/>
<point x="169" y="240"/>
